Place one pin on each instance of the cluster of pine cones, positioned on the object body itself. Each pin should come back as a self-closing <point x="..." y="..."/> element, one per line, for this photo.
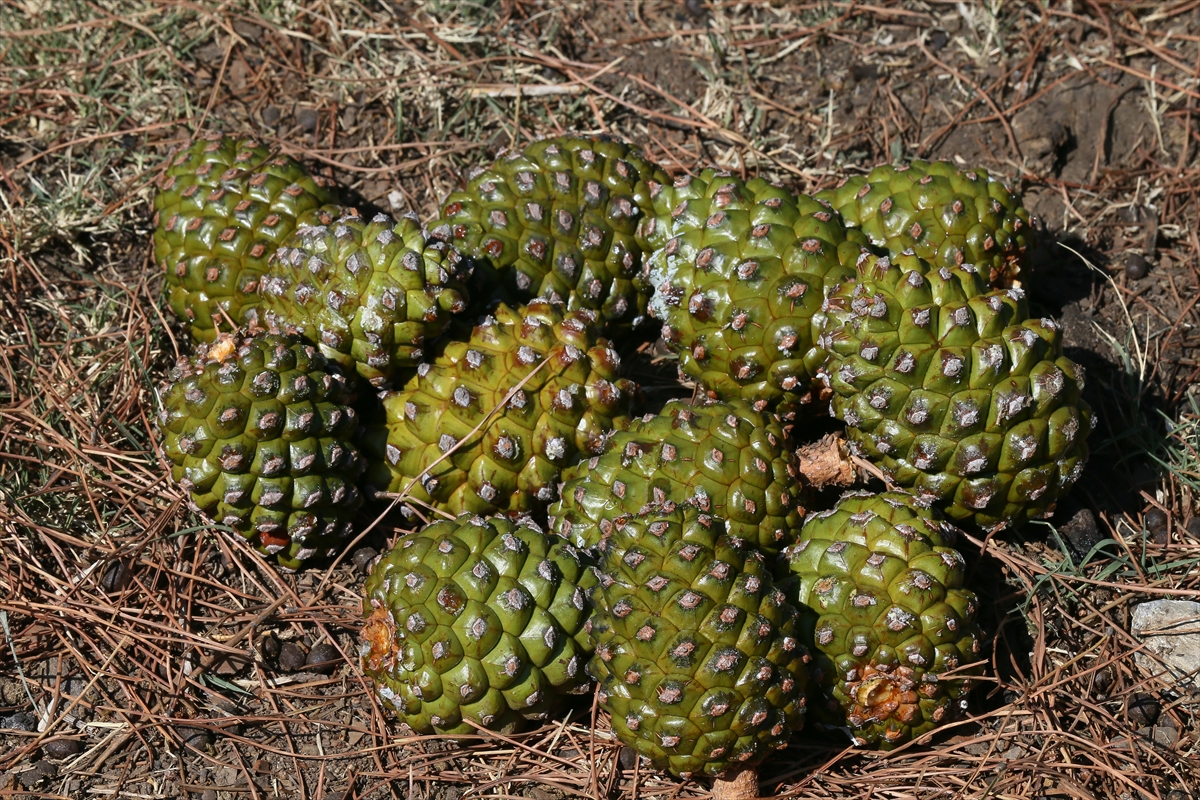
<point x="679" y="562"/>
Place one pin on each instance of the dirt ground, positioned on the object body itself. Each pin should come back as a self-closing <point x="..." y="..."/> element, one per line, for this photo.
<point x="145" y="656"/>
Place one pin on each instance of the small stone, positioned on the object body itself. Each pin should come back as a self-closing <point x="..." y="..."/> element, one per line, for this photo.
<point x="20" y="721"/>
<point x="364" y="559"/>
<point x="1014" y="752"/>
<point x="938" y="40"/>
<point x="696" y="8"/>
<point x="1143" y="710"/>
<point x="208" y="794"/>
<point x="1171" y="637"/>
<point x="231" y="664"/>
<point x="324" y="659"/>
<point x="307" y="118"/>
<point x="1177" y="794"/>
<point x="979" y="748"/>
<point x="62" y="748"/>
<point x="292" y="657"/>
<point x="1103" y="680"/>
<point x="1156" y="523"/>
<point x="1161" y="735"/>
<point x="39" y="772"/>
<point x="212" y="53"/>
<point x="1081" y="533"/>
<point x="247" y="30"/>
<point x="1136" y="266"/>
<point x="271" y="116"/>
<point x="627" y="757"/>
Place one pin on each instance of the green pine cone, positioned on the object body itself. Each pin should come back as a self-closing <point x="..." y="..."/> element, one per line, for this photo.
<point x="728" y="459"/>
<point x="370" y="293"/>
<point x="697" y="654"/>
<point x="476" y="621"/>
<point x="958" y="398"/>
<point x="946" y="215"/>
<point x="739" y="273"/>
<point x="223" y="207"/>
<point x="558" y="220"/>
<point x="562" y="412"/>
<point x="879" y="587"/>
<point x="260" y="434"/>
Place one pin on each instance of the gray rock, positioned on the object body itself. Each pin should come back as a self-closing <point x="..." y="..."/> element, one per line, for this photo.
<point x="307" y="118"/>
<point x="20" y="721"/>
<point x="1081" y="532"/>
<point x="41" y="771"/>
<point x="1170" y="631"/>
<point x="1161" y="735"/>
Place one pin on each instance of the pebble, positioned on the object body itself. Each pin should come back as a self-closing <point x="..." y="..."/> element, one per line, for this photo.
<point x="307" y="118"/>
<point x="62" y="748"/>
<point x="1081" y="532"/>
<point x="1136" y="266"/>
<point x="1103" y="680"/>
<point x="323" y="659"/>
<point x="364" y="559"/>
<point x="1161" y="735"/>
<point x="247" y="30"/>
<point x="1014" y="752"/>
<point x="271" y="116"/>
<point x="292" y="657"/>
<point x="20" y="721"/>
<point x="1169" y="632"/>
<point x="627" y="757"/>
<point x="39" y="772"/>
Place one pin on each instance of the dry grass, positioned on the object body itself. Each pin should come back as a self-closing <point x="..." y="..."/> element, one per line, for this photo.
<point x="134" y="630"/>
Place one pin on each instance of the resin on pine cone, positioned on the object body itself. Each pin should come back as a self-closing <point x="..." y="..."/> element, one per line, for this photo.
<point x="956" y="395"/>
<point x="223" y="207"/>
<point x="728" y="459"/>
<point x="260" y="434"/>
<point x="946" y="215"/>
<point x="558" y="412"/>
<point x="558" y="220"/>
<point x="476" y="621"/>
<point x="880" y="589"/>
<point x="369" y="293"/>
<point x="697" y="657"/>
<point x="739" y="271"/>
